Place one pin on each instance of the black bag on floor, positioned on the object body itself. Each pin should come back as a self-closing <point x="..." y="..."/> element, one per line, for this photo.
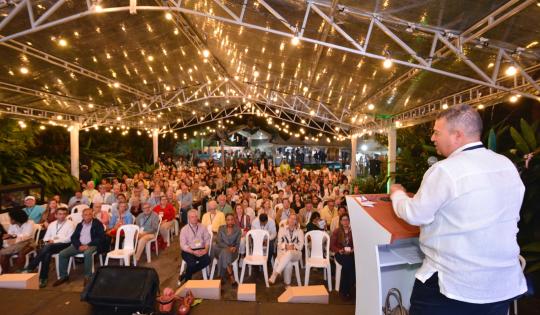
<point x="121" y="289"/>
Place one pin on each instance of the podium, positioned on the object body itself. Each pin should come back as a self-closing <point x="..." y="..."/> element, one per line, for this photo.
<point x="386" y="249"/>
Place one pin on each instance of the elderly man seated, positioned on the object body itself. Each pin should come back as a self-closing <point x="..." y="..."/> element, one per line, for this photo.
<point x="87" y="238"/>
<point x="57" y="238"/>
<point x="195" y="243"/>
<point x="213" y="217"/>
<point x="148" y="222"/>
<point x="33" y="211"/>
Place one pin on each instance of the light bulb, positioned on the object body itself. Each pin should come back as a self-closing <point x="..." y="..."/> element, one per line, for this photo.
<point x="206" y="53"/>
<point x="513" y="99"/>
<point x="387" y="63"/>
<point x="62" y="42"/>
<point x="511" y="70"/>
<point x="168" y="16"/>
<point x="371" y="107"/>
<point x="24" y="70"/>
<point x="295" y="40"/>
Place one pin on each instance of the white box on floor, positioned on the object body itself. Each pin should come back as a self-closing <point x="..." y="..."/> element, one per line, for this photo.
<point x="306" y="294"/>
<point x="247" y="292"/>
<point x="204" y="289"/>
<point x="19" y="281"/>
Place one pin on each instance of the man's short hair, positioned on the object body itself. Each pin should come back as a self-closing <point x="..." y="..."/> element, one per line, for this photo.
<point x="193" y="211"/>
<point x="464" y="117"/>
<point x="62" y="209"/>
<point x="263" y="217"/>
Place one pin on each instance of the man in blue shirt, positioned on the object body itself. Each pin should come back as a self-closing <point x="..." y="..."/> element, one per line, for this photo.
<point x="33" y="211"/>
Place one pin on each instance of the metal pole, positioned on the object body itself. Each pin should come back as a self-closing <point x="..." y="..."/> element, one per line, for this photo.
<point x="354" y="146"/>
<point x="74" y="148"/>
<point x="155" y="142"/>
<point x="392" y="153"/>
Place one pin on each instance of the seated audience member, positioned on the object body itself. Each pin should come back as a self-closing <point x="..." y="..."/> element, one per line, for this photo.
<point x="87" y="239"/>
<point x="248" y="210"/>
<point x="290" y="245"/>
<point x="120" y="198"/>
<point x="316" y="223"/>
<point x="335" y="220"/>
<point x="185" y="199"/>
<point x="263" y="222"/>
<point x="167" y="212"/>
<point x="135" y="206"/>
<point x="33" y="211"/>
<point x="304" y="215"/>
<point x="223" y="206"/>
<point x="103" y="216"/>
<point x="148" y="222"/>
<point x="172" y="200"/>
<point x="155" y="196"/>
<point x="90" y="192"/>
<point x="197" y="194"/>
<point x="57" y="238"/>
<point x="194" y="242"/>
<point x="17" y="241"/>
<point x="113" y="196"/>
<point x="243" y="221"/>
<point x="49" y="215"/>
<point x="78" y="199"/>
<point x="329" y="212"/>
<point x="118" y="219"/>
<point x="341" y="243"/>
<point x="267" y="208"/>
<point x="227" y="247"/>
<point x="284" y="212"/>
<point x="213" y="217"/>
<point x="297" y="203"/>
<point x="102" y="195"/>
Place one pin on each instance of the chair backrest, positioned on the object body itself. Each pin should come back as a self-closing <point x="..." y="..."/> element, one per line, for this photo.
<point x="255" y="243"/>
<point x="107" y="208"/>
<point x="37" y="229"/>
<point x="158" y="227"/>
<point x="131" y="237"/>
<point x="78" y="208"/>
<point x="209" y="228"/>
<point x="316" y="247"/>
<point x="76" y="217"/>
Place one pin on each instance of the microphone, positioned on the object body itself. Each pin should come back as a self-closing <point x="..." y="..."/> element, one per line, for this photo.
<point x="432" y="160"/>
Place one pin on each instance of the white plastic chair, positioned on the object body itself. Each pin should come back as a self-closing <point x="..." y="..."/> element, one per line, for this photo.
<point x="28" y="256"/>
<point x="78" y="208"/>
<point x="318" y="254"/>
<point x="72" y="265"/>
<point x="147" y="248"/>
<point x="256" y="252"/>
<point x="205" y="271"/>
<point x="338" y="274"/>
<point x="131" y="233"/>
<point x="75" y="217"/>
<point x="56" y="264"/>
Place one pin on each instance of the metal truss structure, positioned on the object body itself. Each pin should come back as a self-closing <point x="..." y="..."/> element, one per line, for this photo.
<point x="272" y="102"/>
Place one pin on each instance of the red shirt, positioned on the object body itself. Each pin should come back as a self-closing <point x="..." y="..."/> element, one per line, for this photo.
<point x="168" y="212"/>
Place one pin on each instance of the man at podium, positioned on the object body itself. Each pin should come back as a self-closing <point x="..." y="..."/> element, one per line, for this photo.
<point x="467" y="209"/>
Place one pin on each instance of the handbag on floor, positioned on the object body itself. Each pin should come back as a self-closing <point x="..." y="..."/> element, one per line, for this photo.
<point x="399" y="309"/>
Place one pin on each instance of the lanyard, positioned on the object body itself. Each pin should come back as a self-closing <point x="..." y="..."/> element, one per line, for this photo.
<point x="59" y="228"/>
<point x="194" y="231"/>
<point x="147" y="218"/>
<point x="479" y="146"/>
<point x="212" y="218"/>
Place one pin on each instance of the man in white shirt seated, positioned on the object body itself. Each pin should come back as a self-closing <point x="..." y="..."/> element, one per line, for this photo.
<point x="57" y="237"/>
<point x="90" y="192"/>
<point x="263" y="222"/>
<point x="467" y="208"/>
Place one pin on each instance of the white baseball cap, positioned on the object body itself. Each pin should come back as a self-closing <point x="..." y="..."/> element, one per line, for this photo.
<point x="29" y="197"/>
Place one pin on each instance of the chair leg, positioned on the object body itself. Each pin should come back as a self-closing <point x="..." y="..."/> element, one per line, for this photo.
<point x="71" y="265"/>
<point x="265" y="270"/>
<point x="242" y="273"/>
<point x="250" y="270"/>
<point x="134" y="260"/>
<point x="148" y="252"/>
<point x="57" y="265"/>
<point x="107" y="260"/>
<point x="329" y="273"/>
<point x="126" y="261"/>
<point x="306" y="277"/>
<point x="214" y="263"/>
<point x="298" y="280"/>
<point x="235" y="271"/>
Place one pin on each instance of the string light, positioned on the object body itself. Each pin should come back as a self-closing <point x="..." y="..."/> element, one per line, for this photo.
<point x="62" y="42"/>
<point x="371" y="107"/>
<point x="168" y="16"/>
<point x="513" y="99"/>
<point x="387" y="63"/>
<point x="206" y="53"/>
<point x="295" y="40"/>
<point x="24" y="70"/>
<point x="510" y="71"/>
